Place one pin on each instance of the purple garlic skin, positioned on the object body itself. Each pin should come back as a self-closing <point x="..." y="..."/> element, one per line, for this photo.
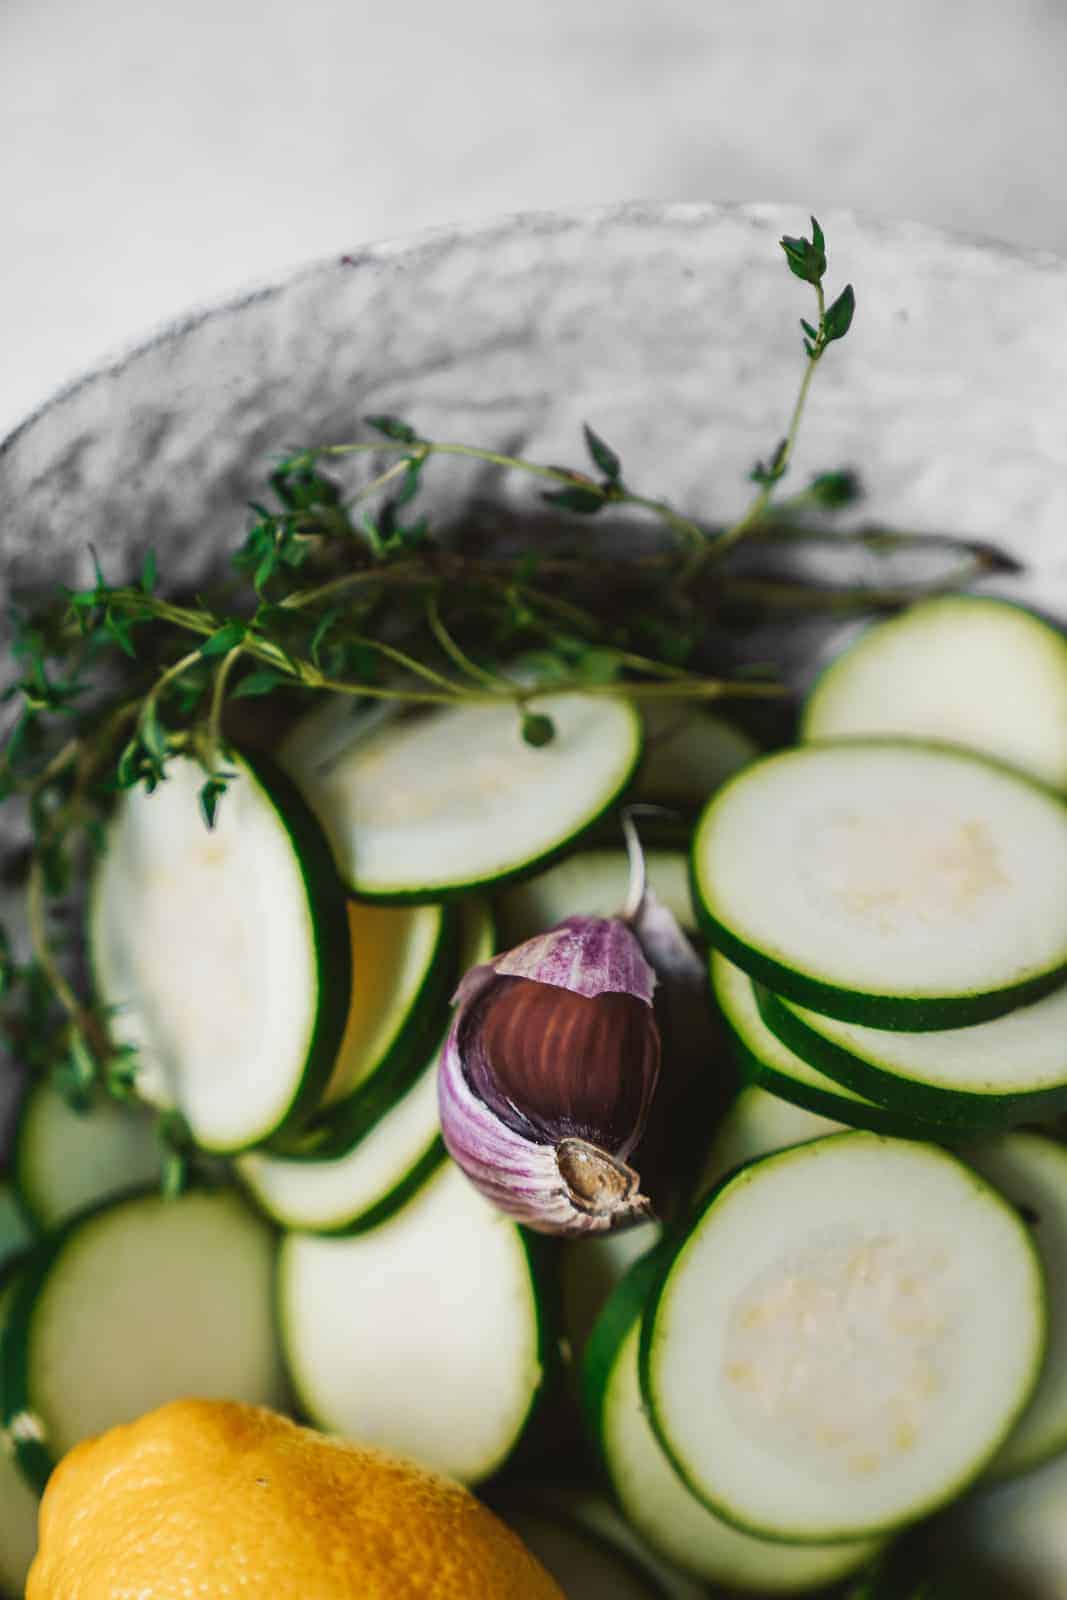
<point x="548" y="1073"/>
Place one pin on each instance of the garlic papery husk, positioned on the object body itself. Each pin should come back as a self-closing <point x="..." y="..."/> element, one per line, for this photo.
<point x="548" y="1074"/>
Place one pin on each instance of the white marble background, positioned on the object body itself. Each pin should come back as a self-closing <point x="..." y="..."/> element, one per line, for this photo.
<point x="154" y="155"/>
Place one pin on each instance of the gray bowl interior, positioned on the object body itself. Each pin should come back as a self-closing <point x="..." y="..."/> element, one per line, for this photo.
<point x="674" y="330"/>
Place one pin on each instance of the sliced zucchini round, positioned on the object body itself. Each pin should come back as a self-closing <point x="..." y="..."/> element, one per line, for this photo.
<point x="765" y="1060"/>
<point x="962" y="669"/>
<point x="17" y="1231"/>
<point x="428" y="806"/>
<point x="1012" y="1539"/>
<point x="872" y="1323"/>
<point x="893" y="884"/>
<point x="987" y="1076"/>
<point x="141" y="1301"/>
<point x="590" y="883"/>
<point x="757" y="1123"/>
<point x="590" y="1269"/>
<point x="1030" y="1170"/>
<point x="688" y="755"/>
<point x="424" y="1335"/>
<point x="18" y="1501"/>
<point x="66" y="1160"/>
<point x="366" y="1183"/>
<point x="224" y="953"/>
<point x="652" y="1495"/>
<point x="586" y="1563"/>
<point x="403" y="975"/>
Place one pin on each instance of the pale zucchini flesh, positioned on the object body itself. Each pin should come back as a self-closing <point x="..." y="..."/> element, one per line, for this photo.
<point x="1030" y="1170"/>
<point x="590" y="883"/>
<point x="590" y="1270"/>
<point x="430" y="806"/>
<point x="873" y="1324"/>
<point x="894" y="884"/>
<point x="395" y="954"/>
<point x="688" y="755"/>
<point x="989" y="1075"/>
<point x="757" y="1123"/>
<point x="364" y="1184"/>
<point x="959" y="669"/>
<point x="653" y="1497"/>
<point x="141" y="1301"/>
<point x="68" y="1159"/>
<point x="360" y="1188"/>
<point x="423" y="1335"/>
<point x="222" y="954"/>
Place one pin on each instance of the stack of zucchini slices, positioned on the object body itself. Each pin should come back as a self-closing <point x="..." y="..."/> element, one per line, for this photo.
<point x="860" y="1310"/>
<point x="865" y="1312"/>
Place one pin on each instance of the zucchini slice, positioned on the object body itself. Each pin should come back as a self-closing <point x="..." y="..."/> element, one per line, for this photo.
<point x="17" y="1231"/>
<point x="424" y="1335"/>
<point x="141" y="1301"/>
<point x="1030" y="1170"/>
<point x="765" y="1060"/>
<point x="583" y="1543"/>
<point x="898" y="885"/>
<point x="590" y="883"/>
<point x="757" y="1123"/>
<point x="590" y="1269"/>
<point x="987" y="1076"/>
<point x="1011" y="1539"/>
<point x="428" y="806"/>
<point x="365" y="1184"/>
<point x="653" y="1497"/>
<point x="224" y="953"/>
<point x="66" y="1160"/>
<point x="960" y="669"/>
<point x="688" y="755"/>
<point x="18" y="1501"/>
<point x="844" y="1338"/>
<point x="403" y="974"/>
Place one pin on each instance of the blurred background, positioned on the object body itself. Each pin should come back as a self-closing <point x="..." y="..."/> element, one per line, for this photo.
<point x="154" y="156"/>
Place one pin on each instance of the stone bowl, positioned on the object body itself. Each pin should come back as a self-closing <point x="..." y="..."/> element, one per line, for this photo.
<point x="672" y="329"/>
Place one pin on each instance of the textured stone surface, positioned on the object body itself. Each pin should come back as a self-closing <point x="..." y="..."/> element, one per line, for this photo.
<point x="673" y="329"/>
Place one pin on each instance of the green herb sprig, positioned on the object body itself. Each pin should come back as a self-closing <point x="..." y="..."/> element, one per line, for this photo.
<point x="360" y="595"/>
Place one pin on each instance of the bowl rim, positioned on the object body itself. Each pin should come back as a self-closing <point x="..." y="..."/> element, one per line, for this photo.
<point x="440" y="237"/>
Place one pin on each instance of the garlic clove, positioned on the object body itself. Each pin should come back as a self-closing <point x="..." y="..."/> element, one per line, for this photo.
<point x="548" y="1074"/>
<point x="554" y="1064"/>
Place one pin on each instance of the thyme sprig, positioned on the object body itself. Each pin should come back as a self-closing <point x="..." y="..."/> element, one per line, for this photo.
<point x="358" y="594"/>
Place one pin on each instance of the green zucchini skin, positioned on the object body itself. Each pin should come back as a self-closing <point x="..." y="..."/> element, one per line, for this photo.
<point x="961" y="1112"/>
<point x="458" y="886"/>
<point x="905" y="1013"/>
<point x="331" y="944"/>
<point x="625" y="1304"/>
<point x="32" y="1453"/>
<point x="334" y="1129"/>
<point x="10" y="1269"/>
<point x="329" y="920"/>
<point x="447" y="894"/>
<point x="398" y="1196"/>
<point x="528" y="1440"/>
<point x="32" y="1456"/>
<point x="669" y="1253"/>
<point x="834" y="707"/>
<point x="866" y="1113"/>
